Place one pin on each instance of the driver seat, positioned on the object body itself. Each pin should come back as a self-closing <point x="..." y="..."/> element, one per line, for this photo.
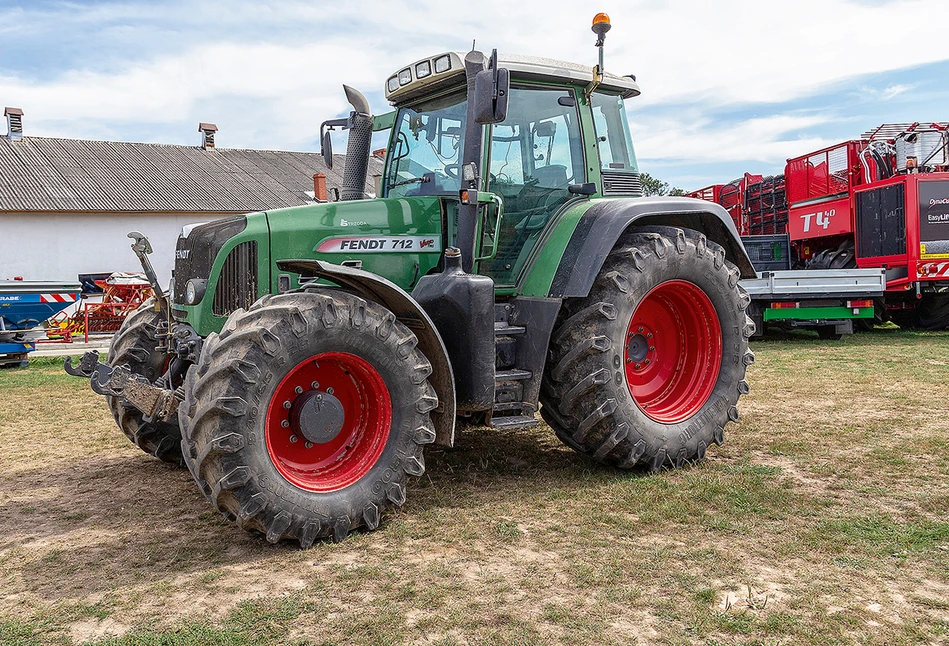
<point x="553" y="176"/>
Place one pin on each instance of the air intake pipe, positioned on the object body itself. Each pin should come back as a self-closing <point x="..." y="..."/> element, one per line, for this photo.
<point x="357" y="149"/>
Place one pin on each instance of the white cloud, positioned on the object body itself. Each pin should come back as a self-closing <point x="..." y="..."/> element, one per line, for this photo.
<point x="269" y="73"/>
<point x="895" y="90"/>
<point x="702" y="141"/>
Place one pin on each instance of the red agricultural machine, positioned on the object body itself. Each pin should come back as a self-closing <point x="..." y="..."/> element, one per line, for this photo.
<point x="122" y="294"/>
<point x="881" y="201"/>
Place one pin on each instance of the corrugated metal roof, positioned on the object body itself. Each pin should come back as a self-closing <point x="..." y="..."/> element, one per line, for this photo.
<point x="51" y="174"/>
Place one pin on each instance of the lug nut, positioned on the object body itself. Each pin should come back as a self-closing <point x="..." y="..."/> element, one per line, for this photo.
<point x="314" y="385"/>
<point x="647" y="362"/>
<point x="641" y="328"/>
<point x="298" y="390"/>
<point x="285" y="423"/>
<point x="329" y="391"/>
<point x="293" y="439"/>
<point x="309" y="445"/>
<point x="649" y="336"/>
<point x="286" y="404"/>
<point x="652" y="348"/>
<point x="638" y="366"/>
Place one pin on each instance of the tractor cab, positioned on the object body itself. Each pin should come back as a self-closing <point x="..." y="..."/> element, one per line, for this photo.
<point x="559" y="140"/>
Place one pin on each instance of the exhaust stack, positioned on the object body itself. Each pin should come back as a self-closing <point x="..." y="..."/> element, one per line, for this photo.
<point x="357" y="149"/>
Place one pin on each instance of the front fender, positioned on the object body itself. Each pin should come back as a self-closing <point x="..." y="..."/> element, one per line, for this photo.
<point x="379" y="290"/>
<point x="602" y="224"/>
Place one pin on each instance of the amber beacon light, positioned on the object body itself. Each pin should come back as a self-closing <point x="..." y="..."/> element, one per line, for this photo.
<point x="601" y="25"/>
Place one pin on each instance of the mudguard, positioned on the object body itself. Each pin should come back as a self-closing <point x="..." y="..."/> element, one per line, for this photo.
<point x="376" y="288"/>
<point x="605" y="221"/>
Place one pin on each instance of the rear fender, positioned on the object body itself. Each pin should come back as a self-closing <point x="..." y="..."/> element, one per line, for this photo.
<point x="604" y="222"/>
<point x="379" y="290"/>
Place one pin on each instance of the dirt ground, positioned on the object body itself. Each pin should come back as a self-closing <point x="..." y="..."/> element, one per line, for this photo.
<point x="823" y="520"/>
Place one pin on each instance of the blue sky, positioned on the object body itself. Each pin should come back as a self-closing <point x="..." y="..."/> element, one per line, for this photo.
<point x="727" y="87"/>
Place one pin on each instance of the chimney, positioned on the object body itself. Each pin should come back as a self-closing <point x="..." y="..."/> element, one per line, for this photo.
<point x="319" y="187"/>
<point x="14" y="123"/>
<point x="207" y="139"/>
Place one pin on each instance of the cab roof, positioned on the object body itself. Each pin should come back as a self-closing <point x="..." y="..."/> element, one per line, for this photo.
<point x="430" y="74"/>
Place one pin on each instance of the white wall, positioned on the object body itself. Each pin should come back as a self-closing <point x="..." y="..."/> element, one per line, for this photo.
<point x="60" y="246"/>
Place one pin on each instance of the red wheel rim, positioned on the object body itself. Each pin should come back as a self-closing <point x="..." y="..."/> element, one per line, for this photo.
<point x="673" y="351"/>
<point x="360" y="391"/>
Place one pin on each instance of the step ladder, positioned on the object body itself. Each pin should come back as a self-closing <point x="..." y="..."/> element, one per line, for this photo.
<point x="510" y="409"/>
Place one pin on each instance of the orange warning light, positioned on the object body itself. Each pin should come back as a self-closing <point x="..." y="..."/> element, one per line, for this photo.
<point x="601" y="18"/>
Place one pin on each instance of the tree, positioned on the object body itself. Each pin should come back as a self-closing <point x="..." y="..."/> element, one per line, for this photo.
<point x="655" y="186"/>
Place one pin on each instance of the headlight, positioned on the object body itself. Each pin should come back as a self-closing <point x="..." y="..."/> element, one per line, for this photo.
<point x="423" y="69"/>
<point x="443" y="64"/>
<point x="393" y="84"/>
<point x="405" y="77"/>
<point x="194" y="291"/>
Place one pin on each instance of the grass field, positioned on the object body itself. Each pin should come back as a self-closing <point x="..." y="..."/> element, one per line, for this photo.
<point x="823" y="520"/>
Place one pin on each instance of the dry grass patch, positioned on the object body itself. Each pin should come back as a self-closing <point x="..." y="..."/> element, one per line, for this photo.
<point x="822" y="520"/>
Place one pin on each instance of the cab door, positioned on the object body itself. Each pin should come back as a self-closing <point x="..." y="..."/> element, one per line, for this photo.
<point x="536" y="153"/>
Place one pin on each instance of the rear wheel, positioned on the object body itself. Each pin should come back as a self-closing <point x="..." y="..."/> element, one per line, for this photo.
<point x="136" y="345"/>
<point x="933" y="312"/>
<point x="304" y="417"/>
<point x="648" y="368"/>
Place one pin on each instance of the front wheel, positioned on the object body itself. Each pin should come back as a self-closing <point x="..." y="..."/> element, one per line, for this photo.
<point x="135" y="346"/>
<point x="305" y="416"/>
<point x="648" y="368"/>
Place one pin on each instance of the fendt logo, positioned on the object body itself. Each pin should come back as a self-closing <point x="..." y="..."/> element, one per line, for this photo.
<point x="182" y="254"/>
<point x="821" y="219"/>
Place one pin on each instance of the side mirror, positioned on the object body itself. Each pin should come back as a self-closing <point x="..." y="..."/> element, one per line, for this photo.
<point x="326" y="147"/>
<point x="492" y="88"/>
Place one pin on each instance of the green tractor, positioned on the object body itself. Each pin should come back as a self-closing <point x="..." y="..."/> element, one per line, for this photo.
<point x="303" y="358"/>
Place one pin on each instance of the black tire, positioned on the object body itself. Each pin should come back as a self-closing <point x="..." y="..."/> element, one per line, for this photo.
<point x="224" y="417"/>
<point x="585" y="396"/>
<point x="932" y="313"/>
<point x="134" y="345"/>
<point x="828" y="333"/>
<point x="843" y="257"/>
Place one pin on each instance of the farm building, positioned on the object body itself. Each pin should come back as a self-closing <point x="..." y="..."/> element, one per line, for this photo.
<point x="66" y="205"/>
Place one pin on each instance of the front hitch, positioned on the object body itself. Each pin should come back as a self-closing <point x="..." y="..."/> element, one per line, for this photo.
<point x="156" y="404"/>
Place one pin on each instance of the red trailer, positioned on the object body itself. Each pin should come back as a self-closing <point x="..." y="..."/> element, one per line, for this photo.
<point x="881" y="201"/>
<point x="731" y="197"/>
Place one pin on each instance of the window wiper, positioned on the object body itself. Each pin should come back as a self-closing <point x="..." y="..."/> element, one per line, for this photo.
<point x="414" y="180"/>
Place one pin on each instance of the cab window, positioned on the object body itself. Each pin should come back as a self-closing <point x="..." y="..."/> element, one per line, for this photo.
<point x="612" y="133"/>
<point x="426" y="148"/>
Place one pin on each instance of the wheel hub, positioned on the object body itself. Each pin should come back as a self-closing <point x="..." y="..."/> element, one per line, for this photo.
<point x="637" y="348"/>
<point x="318" y="416"/>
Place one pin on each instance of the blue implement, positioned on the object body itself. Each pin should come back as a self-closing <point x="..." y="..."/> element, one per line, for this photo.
<point x="24" y="305"/>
